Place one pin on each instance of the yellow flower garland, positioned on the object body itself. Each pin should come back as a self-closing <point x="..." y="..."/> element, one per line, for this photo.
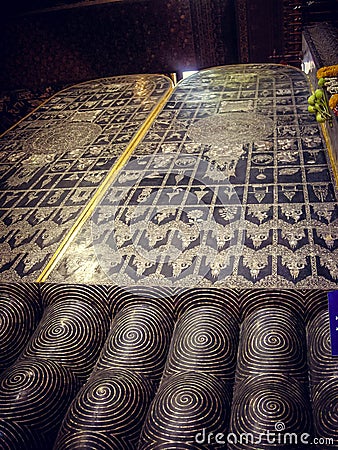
<point x="328" y="71"/>
<point x="333" y="102"/>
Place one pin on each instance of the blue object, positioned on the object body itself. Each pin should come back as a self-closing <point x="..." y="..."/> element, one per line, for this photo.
<point x="333" y="312"/>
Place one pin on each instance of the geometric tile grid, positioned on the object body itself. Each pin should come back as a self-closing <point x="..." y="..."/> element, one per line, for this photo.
<point x="52" y="163"/>
<point x="233" y="179"/>
<point x="111" y="368"/>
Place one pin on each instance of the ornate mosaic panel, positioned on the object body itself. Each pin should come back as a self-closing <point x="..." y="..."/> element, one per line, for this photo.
<point x="52" y="163"/>
<point x="230" y="187"/>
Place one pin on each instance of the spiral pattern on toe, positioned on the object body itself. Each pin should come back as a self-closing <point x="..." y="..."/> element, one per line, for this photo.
<point x="17" y="437"/>
<point x="253" y="299"/>
<point x="139" y="341"/>
<point x="112" y="403"/>
<point x="70" y="332"/>
<point x="119" y="298"/>
<point x="89" y="440"/>
<point x="198" y="355"/>
<point x="95" y="295"/>
<point x="272" y="341"/>
<point x="262" y="401"/>
<point x="228" y="299"/>
<point x="20" y="311"/>
<point x="185" y="404"/>
<point x="315" y="302"/>
<point x="205" y="340"/>
<point x="172" y="446"/>
<point x="321" y="362"/>
<point x="325" y="409"/>
<point x="36" y="394"/>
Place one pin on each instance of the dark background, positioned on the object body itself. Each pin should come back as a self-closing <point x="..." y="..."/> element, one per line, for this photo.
<point x="49" y="42"/>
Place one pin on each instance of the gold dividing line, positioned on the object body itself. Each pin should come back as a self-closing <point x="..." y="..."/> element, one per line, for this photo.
<point x="89" y="208"/>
